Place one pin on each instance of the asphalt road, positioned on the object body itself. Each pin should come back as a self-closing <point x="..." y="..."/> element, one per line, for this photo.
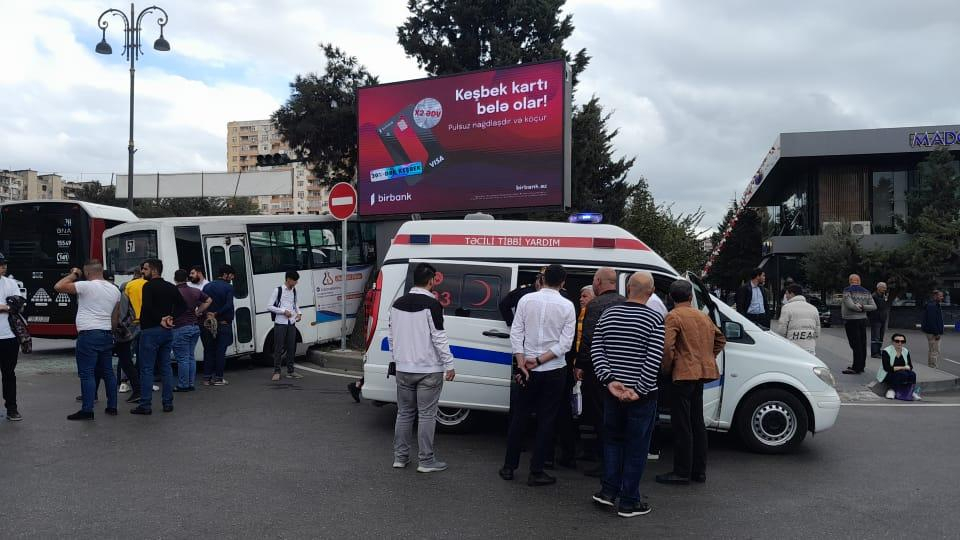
<point x="299" y="459"/>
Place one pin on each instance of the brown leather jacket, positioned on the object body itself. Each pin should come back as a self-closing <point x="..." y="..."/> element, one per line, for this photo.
<point x="691" y="345"/>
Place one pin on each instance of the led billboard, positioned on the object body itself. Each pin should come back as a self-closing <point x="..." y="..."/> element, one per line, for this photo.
<point x="488" y="140"/>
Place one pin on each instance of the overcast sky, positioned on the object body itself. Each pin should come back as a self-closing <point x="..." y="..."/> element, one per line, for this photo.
<point x="699" y="90"/>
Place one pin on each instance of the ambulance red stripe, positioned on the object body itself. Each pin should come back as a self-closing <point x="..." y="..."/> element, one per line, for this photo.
<point x="520" y="241"/>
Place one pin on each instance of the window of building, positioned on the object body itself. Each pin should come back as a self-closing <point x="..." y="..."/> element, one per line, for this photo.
<point x="889" y="193"/>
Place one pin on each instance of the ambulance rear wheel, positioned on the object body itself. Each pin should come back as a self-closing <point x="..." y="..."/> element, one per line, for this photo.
<point x="455" y="420"/>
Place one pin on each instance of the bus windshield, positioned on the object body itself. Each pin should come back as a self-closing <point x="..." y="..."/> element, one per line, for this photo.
<point x="125" y="252"/>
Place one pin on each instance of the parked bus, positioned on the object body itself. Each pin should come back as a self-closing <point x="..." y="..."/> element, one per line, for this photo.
<point x="42" y="240"/>
<point x="260" y="249"/>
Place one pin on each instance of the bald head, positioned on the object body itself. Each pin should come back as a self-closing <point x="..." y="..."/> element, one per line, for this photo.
<point x="605" y="279"/>
<point x="640" y="287"/>
<point x="854" y="279"/>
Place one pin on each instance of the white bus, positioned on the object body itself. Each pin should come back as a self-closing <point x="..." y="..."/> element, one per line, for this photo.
<point x="260" y="249"/>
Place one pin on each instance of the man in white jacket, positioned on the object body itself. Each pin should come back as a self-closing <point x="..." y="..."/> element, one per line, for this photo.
<point x="800" y="320"/>
<point x="422" y="357"/>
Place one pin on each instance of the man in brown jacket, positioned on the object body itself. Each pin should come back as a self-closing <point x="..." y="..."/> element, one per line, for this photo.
<point x="691" y="345"/>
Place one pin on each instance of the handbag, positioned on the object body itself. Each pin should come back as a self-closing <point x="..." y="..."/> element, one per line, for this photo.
<point x="18" y="325"/>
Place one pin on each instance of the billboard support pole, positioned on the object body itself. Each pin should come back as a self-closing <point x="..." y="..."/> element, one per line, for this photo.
<point x="343" y="285"/>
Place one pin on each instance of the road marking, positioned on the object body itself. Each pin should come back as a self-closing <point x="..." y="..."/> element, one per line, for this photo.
<point x="901" y="404"/>
<point x="325" y="372"/>
<point x="954" y="361"/>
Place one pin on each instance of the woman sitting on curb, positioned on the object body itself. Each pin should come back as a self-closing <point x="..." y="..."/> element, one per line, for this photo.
<point x="897" y="371"/>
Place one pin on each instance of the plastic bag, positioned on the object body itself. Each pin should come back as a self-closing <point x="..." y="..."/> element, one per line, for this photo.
<point x="576" y="400"/>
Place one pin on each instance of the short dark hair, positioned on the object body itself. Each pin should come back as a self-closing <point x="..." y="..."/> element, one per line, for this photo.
<point x="756" y="272"/>
<point x="554" y="275"/>
<point x="893" y="337"/>
<point x="198" y="269"/>
<point x="795" y="289"/>
<point x="292" y="274"/>
<point x="155" y="264"/>
<point x="226" y="269"/>
<point x="681" y="290"/>
<point x="423" y="273"/>
<point x="180" y="275"/>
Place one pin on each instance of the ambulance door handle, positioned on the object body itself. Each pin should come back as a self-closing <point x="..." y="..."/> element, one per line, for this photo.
<point x="497" y="333"/>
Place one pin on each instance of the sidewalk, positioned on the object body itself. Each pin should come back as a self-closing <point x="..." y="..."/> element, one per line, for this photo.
<point x="833" y="350"/>
<point x="350" y="362"/>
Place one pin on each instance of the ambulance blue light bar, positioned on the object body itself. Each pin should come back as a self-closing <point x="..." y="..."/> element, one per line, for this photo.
<point x="586" y="217"/>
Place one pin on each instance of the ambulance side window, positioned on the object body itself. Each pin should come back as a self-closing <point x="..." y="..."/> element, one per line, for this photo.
<point x="468" y="290"/>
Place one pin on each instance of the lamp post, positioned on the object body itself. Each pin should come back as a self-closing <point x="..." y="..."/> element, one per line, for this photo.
<point x="132" y="50"/>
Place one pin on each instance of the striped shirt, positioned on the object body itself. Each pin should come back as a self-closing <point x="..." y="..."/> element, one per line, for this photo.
<point x="628" y="347"/>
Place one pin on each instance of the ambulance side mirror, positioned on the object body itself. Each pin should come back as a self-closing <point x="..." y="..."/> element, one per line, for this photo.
<point x="732" y="330"/>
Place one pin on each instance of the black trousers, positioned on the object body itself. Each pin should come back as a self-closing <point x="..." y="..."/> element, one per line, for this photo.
<point x="689" y="432"/>
<point x="9" y="351"/>
<point x="593" y="393"/>
<point x="566" y="431"/>
<point x="878" y="327"/>
<point x="542" y="394"/>
<point x="762" y="320"/>
<point x="857" y="338"/>
<point x="125" y="362"/>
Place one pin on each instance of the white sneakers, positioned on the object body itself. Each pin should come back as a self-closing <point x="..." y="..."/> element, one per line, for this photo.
<point x="124" y="388"/>
<point x="399" y="464"/>
<point x="890" y="394"/>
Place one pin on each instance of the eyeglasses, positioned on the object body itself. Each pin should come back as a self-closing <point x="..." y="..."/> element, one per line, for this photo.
<point x="899" y="341"/>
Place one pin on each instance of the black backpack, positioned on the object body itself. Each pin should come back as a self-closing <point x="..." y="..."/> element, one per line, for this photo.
<point x="273" y="316"/>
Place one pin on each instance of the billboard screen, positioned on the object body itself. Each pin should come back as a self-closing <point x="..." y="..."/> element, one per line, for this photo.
<point x="487" y="140"/>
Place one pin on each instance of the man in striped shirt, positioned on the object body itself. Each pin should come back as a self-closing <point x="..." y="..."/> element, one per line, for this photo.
<point x="626" y="353"/>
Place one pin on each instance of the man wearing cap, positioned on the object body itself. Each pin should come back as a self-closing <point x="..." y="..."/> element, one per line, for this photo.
<point x="9" y="345"/>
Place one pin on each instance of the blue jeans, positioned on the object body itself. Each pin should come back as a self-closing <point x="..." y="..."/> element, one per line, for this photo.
<point x="627" y="428"/>
<point x="215" y="352"/>
<point x="155" y="347"/>
<point x="95" y="361"/>
<point x="184" y="344"/>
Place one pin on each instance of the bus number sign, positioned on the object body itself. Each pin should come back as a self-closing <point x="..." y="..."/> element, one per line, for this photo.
<point x="130" y="245"/>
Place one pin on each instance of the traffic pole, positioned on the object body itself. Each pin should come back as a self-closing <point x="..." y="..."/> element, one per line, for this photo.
<point x="343" y="285"/>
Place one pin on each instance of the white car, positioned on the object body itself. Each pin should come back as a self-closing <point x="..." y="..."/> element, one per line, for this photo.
<point x="770" y="392"/>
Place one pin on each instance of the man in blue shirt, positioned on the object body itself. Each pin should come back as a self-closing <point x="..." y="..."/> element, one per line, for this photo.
<point x="217" y="330"/>
<point x="752" y="299"/>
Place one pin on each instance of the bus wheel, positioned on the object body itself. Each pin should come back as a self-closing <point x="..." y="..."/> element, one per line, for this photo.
<point x="265" y="358"/>
<point x="772" y="421"/>
<point x="455" y="420"/>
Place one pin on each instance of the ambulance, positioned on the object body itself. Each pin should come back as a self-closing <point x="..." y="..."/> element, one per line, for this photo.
<point x="770" y="392"/>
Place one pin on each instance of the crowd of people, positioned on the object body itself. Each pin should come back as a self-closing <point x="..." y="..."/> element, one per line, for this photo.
<point x="629" y="353"/>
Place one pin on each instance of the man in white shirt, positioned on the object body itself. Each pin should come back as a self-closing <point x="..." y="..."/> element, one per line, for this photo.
<point x="286" y="314"/>
<point x="197" y="278"/>
<point x="9" y="345"/>
<point x="98" y="308"/>
<point x="542" y="333"/>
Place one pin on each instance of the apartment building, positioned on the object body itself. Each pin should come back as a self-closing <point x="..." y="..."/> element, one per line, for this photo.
<point x="249" y="138"/>
<point x="11" y="187"/>
<point x="34" y="186"/>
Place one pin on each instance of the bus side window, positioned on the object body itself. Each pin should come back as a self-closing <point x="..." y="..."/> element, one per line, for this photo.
<point x="189" y="251"/>
<point x="239" y="263"/>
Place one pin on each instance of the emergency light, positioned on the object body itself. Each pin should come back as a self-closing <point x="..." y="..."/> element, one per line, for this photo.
<point x="586" y="217"/>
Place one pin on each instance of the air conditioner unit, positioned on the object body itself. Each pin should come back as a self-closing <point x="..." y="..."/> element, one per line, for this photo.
<point x="860" y="227"/>
<point x="831" y="227"/>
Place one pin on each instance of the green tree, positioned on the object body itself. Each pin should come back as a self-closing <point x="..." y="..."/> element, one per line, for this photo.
<point x="742" y="250"/>
<point x="319" y="120"/>
<point x="831" y="260"/>
<point x="673" y="236"/>
<point x="452" y="36"/>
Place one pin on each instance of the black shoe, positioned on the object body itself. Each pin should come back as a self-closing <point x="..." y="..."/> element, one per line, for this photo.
<point x="112" y="411"/>
<point x="141" y="410"/>
<point x="181" y="388"/>
<point x="506" y="473"/>
<point x="134" y="398"/>
<point x="567" y="463"/>
<point x="540" y="479"/>
<point x="634" y="510"/>
<point x="673" y="479"/>
<point x="701" y="477"/>
<point x="874" y="356"/>
<point x="851" y="371"/>
<point x="549" y="465"/>
<point x="604" y="499"/>
<point x="14" y="416"/>
<point x="168" y="408"/>
<point x="594" y="472"/>
<point x="80" y="398"/>
<point x="81" y="415"/>
<point x="354" y="391"/>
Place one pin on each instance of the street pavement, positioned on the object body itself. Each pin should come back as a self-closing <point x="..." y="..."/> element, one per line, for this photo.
<point x="299" y="459"/>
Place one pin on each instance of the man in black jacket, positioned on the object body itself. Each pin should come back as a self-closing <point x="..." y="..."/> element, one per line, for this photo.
<point x="878" y="319"/>
<point x="605" y="289"/>
<point x="752" y="299"/>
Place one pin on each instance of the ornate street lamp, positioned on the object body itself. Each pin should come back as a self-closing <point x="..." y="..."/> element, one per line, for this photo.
<point x="132" y="50"/>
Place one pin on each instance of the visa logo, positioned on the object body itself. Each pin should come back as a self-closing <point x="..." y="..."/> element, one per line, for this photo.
<point x="435" y="161"/>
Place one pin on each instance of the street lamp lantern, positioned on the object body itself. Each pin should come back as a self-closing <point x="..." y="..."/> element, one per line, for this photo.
<point x="132" y="49"/>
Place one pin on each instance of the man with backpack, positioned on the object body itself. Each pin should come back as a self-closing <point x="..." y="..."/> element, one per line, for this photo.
<point x="285" y="314"/>
<point x="126" y="331"/>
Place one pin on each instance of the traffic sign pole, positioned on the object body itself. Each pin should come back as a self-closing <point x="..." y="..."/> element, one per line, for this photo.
<point x="343" y="204"/>
<point x="343" y="284"/>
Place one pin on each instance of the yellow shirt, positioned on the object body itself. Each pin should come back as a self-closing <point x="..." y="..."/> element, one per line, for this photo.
<point x="134" y="290"/>
<point x="583" y="312"/>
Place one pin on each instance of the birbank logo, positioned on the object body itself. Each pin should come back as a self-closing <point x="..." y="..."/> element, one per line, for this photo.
<point x="391" y="197"/>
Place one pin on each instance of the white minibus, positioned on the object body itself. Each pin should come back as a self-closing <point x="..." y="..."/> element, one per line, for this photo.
<point x="770" y="392"/>
<point x="261" y="250"/>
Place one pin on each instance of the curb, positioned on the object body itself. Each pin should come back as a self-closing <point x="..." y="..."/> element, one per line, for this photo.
<point x="926" y="387"/>
<point x="342" y="360"/>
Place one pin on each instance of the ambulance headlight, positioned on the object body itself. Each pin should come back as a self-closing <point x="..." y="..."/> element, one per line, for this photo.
<point x="823" y="373"/>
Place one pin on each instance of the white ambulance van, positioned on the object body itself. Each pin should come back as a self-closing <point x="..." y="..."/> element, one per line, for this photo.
<point x="770" y="391"/>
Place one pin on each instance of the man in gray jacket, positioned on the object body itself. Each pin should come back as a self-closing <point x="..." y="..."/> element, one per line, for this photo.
<point x="422" y="357"/>
<point x="799" y="320"/>
<point x="857" y="302"/>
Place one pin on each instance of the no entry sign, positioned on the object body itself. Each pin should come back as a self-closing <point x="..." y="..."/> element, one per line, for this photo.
<point x="342" y="201"/>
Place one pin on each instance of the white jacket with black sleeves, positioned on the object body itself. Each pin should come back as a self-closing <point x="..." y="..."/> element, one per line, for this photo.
<point x="417" y="339"/>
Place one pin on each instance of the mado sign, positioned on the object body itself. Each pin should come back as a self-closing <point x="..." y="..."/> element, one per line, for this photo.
<point x="487" y="140"/>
